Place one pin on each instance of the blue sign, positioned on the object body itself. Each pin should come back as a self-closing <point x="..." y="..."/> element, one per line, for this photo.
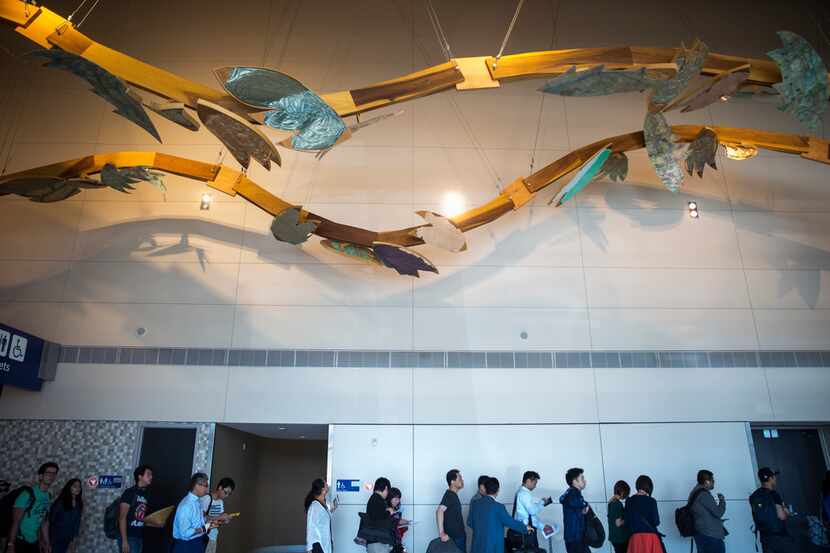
<point x="110" y="481"/>
<point x="20" y="358"/>
<point x="348" y="485"/>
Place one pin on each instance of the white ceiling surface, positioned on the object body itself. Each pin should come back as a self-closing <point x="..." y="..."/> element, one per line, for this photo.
<point x="623" y="266"/>
<point x="284" y="431"/>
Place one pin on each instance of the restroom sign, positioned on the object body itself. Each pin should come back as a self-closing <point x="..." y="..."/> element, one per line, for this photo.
<point x="348" y="485"/>
<point x="22" y="357"/>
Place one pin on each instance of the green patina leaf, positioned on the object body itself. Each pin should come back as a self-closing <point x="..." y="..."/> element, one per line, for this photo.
<point x="286" y="227"/>
<point x="616" y="167"/>
<point x="596" y="82"/>
<point x="702" y="152"/>
<point x="663" y="152"/>
<point x="689" y="62"/>
<point x="804" y="80"/>
<point x="123" y="178"/>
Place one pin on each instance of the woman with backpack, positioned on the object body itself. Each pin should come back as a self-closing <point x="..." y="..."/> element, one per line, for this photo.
<point x="642" y="519"/>
<point x="617" y="531"/>
<point x="64" y="521"/>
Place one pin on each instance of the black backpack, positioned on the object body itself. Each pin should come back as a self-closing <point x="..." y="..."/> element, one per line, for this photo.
<point x="7" y="507"/>
<point x="594" y="530"/>
<point x="684" y="518"/>
<point x="111" y="519"/>
<point x="764" y="513"/>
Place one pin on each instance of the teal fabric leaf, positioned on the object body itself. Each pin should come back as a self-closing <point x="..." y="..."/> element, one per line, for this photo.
<point x="123" y="178"/>
<point x="319" y="126"/>
<point x="351" y="250"/>
<point x="616" y="167"/>
<point x="583" y="176"/>
<point x="663" y="152"/>
<point x="104" y="84"/>
<point x="689" y="62"/>
<point x="596" y="82"/>
<point x="258" y="87"/>
<point x="803" y="86"/>
<point x="286" y="227"/>
<point x="702" y="152"/>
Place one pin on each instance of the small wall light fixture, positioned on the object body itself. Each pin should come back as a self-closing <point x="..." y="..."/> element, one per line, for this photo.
<point x="694" y="213"/>
<point x="207" y="198"/>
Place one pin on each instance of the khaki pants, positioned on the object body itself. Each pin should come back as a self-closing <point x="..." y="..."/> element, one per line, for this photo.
<point x="211" y="547"/>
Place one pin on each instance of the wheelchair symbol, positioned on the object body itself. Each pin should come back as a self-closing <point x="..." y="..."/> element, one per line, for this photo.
<point x="18" y="348"/>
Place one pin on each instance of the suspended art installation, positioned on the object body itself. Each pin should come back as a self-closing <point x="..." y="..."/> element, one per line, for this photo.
<point x="123" y="179"/>
<point x="252" y="96"/>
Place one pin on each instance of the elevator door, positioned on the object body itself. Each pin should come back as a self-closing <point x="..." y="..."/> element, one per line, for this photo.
<point x="798" y="454"/>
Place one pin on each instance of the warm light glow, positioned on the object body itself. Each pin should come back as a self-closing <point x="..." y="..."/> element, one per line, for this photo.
<point x="452" y="204"/>
<point x="694" y="214"/>
<point x="724" y="98"/>
<point x="692" y="205"/>
<point x="206" y="199"/>
<point x="740" y="152"/>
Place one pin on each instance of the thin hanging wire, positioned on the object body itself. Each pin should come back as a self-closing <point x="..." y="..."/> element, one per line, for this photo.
<point x="72" y="15"/>
<point x="439" y="31"/>
<point x="509" y="31"/>
<point x="81" y="22"/>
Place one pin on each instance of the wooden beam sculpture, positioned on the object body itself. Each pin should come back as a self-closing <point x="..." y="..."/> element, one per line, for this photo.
<point x="292" y="224"/>
<point x="253" y="96"/>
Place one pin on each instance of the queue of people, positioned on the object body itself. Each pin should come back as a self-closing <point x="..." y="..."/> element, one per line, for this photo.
<point x="36" y="523"/>
<point x="633" y="518"/>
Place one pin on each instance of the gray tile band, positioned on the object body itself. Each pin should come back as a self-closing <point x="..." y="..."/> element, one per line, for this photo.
<point x="443" y="359"/>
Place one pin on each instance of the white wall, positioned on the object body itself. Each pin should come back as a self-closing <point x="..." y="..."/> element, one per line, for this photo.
<point x="622" y="267"/>
<point x="422" y="454"/>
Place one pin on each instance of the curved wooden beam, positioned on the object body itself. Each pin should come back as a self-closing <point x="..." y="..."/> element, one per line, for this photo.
<point x="520" y="192"/>
<point x="48" y="29"/>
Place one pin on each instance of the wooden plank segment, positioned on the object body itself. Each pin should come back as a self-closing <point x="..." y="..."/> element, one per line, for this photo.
<point x="476" y="74"/>
<point x="17" y="12"/>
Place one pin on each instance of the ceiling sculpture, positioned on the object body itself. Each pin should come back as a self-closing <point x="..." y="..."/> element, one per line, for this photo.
<point x="684" y="79"/>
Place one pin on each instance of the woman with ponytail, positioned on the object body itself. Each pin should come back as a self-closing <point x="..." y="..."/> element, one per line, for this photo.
<point x="318" y="518"/>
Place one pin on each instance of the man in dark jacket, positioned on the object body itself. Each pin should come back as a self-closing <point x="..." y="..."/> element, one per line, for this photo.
<point x="574" y="509"/>
<point x="770" y="515"/>
<point x="708" y="515"/>
<point x="489" y="520"/>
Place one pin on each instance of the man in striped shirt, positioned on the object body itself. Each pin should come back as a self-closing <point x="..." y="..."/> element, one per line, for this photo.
<point x="213" y="506"/>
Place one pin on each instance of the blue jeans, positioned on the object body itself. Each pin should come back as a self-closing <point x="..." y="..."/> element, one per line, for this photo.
<point x="461" y="543"/>
<point x="135" y="543"/>
<point x="196" y="545"/>
<point x="707" y="544"/>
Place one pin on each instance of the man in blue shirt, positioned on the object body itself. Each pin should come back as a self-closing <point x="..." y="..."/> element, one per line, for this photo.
<point x="527" y="508"/>
<point x="489" y="520"/>
<point x="189" y="526"/>
<point x="574" y="509"/>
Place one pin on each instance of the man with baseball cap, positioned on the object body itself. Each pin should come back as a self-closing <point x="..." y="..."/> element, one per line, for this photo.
<point x="770" y="514"/>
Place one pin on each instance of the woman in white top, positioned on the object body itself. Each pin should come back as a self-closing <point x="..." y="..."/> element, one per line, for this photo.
<point x="318" y="519"/>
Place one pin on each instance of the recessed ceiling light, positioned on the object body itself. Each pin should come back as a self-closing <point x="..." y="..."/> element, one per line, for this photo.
<point x="694" y="214"/>
<point x="282" y="428"/>
<point x="692" y="205"/>
<point x="207" y="198"/>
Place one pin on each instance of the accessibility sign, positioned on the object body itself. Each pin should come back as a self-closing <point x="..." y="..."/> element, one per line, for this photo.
<point x="25" y="360"/>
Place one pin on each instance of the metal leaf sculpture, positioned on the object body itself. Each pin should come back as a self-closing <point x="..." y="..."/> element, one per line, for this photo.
<point x="722" y="86"/>
<point x="441" y="232"/>
<point x="46" y="189"/>
<point x="580" y="180"/>
<point x="104" y="84"/>
<point x="295" y="107"/>
<point x="615" y="167"/>
<point x="175" y="112"/>
<point x="689" y="62"/>
<point x="287" y="227"/>
<point x="403" y="260"/>
<point x="355" y="251"/>
<point x="243" y="140"/>
<point x="596" y="82"/>
<point x="804" y="80"/>
<point x="123" y="178"/>
<point x="702" y="152"/>
<point x="662" y="150"/>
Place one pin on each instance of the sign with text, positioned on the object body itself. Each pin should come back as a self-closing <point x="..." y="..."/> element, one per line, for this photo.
<point x="348" y="485"/>
<point x="25" y="360"/>
<point x="110" y="481"/>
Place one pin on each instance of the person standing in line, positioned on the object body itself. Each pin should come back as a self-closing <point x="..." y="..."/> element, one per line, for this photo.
<point x="770" y="515"/>
<point x="617" y="530"/>
<point x="318" y="519"/>
<point x="29" y="511"/>
<point x="642" y="519"/>
<point x="481" y="492"/>
<point x="64" y="521"/>
<point x="448" y="515"/>
<point x="528" y="509"/>
<point x="489" y="521"/>
<point x="379" y="516"/>
<point x="401" y="524"/>
<point x="189" y="526"/>
<point x="574" y="509"/>
<point x="132" y="508"/>
<point x="707" y="514"/>
<point x="213" y="505"/>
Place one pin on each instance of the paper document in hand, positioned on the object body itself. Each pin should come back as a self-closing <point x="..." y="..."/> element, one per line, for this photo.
<point x="554" y="529"/>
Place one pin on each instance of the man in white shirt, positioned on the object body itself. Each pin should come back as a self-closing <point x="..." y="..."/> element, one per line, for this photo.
<point x="213" y="505"/>
<point x="527" y="508"/>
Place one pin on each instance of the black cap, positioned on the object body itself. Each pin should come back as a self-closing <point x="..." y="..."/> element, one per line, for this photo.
<point x="766" y="473"/>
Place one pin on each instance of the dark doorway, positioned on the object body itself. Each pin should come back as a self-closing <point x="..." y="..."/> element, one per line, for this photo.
<point x="799" y="455"/>
<point x="170" y="452"/>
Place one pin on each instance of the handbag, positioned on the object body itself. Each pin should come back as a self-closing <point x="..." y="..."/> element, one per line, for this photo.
<point x="594" y="530"/>
<point x="514" y="540"/>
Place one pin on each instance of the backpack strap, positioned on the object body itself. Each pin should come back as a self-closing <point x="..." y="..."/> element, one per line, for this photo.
<point x="31" y="492"/>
